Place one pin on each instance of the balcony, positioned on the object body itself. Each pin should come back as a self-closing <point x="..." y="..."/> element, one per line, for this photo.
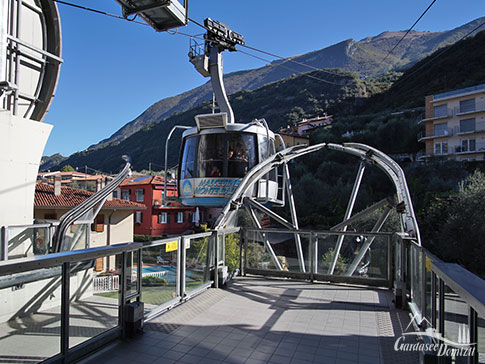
<point x="455" y="112"/>
<point x="445" y="134"/>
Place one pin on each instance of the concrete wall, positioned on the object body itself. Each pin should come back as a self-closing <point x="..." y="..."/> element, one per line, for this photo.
<point x="34" y="297"/>
<point x="22" y="143"/>
<point x="121" y="229"/>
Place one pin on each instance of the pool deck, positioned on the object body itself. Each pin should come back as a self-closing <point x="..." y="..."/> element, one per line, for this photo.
<point x="258" y="320"/>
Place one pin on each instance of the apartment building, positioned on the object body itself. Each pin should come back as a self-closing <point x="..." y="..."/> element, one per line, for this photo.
<point x="300" y="133"/>
<point x="455" y="124"/>
<point x="157" y="219"/>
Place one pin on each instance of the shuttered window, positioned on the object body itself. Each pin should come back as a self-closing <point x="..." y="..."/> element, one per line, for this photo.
<point x="467" y="105"/>
<point x="467" y="125"/>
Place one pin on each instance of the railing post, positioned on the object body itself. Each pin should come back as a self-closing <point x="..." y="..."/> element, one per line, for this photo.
<point x="245" y="265"/>
<point x="389" y="262"/>
<point x="441" y="307"/>
<point x="312" y="247"/>
<point x="4" y="242"/>
<point x="473" y="329"/>
<point x="181" y="258"/>
<point x="65" y="286"/>
<point x="122" y="296"/>
<point x="241" y="242"/>
<point x="215" y="239"/>
<point x="433" y="300"/>
<point x="139" y="276"/>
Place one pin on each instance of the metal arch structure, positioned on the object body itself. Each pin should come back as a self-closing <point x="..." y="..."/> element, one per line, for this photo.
<point x="367" y="154"/>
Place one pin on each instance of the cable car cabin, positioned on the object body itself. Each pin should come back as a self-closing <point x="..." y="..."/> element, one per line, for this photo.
<point x="215" y="158"/>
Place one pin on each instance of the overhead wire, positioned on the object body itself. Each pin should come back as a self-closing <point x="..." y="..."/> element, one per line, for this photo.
<point x="99" y="12"/>
<point x="437" y="54"/>
<point x="291" y="69"/>
<point x="275" y="55"/>
<point x="404" y="36"/>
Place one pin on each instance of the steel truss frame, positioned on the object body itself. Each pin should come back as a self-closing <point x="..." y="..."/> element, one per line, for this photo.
<point x="402" y="202"/>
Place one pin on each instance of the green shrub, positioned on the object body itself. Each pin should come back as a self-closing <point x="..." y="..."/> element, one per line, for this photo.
<point x="151" y="281"/>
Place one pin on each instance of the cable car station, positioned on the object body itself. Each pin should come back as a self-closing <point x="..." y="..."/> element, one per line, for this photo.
<point x="240" y="292"/>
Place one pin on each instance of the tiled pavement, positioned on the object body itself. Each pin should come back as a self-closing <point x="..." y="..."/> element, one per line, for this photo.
<point x="257" y="320"/>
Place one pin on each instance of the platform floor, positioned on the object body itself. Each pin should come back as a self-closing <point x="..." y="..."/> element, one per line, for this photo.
<point x="258" y="320"/>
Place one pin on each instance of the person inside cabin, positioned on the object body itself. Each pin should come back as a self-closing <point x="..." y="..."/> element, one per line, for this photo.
<point x="215" y="172"/>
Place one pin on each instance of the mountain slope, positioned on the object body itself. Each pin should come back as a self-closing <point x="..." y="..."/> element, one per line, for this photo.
<point x="288" y="100"/>
<point x="279" y="103"/>
<point x="363" y="57"/>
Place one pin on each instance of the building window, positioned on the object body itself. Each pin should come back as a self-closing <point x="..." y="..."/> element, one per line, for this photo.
<point x="98" y="224"/>
<point x="163" y="218"/>
<point x="115" y="194"/>
<point x="180" y="217"/>
<point x="125" y="195"/>
<point x="139" y="195"/>
<point x="467" y="105"/>
<point x="441" y="129"/>
<point x="467" y="125"/>
<point x="440" y="111"/>
<point x="468" y="145"/>
<point x="138" y="217"/>
<point x="441" y="148"/>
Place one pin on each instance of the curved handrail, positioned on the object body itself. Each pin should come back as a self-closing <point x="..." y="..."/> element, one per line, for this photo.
<point x="99" y="197"/>
<point x="384" y="162"/>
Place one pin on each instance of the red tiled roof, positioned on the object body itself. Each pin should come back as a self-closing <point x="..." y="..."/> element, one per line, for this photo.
<point x="71" y="197"/>
<point x="142" y="180"/>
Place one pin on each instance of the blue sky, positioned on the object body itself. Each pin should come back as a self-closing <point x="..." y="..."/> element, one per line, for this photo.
<point x="113" y="69"/>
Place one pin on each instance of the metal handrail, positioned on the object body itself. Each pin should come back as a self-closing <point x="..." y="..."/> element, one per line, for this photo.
<point x="99" y="197"/>
<point x="56" y="259"/>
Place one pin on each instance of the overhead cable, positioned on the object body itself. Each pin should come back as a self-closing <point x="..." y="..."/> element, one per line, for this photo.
<point x="437" y="54"/>
<point x="291" y="69"/>
<point x="99" y="12"/>
<point x="275" y="55"/>
<point x="404" y="36"/>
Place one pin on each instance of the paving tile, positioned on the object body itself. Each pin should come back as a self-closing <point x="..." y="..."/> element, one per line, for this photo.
<point x="190" y="359"/>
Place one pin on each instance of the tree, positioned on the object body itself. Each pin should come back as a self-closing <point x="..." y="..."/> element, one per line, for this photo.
<point x="68" y="168"/>
<point x="461" y="231"/>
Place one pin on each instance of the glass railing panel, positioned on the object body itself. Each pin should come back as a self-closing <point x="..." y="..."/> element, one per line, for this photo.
<point x="220" y="248"/>
<point x="30" y="316"/>
<point x="92" y="312"/>
<point x="198" y="262"/>
<point x="131" y="273"/>
<point x="456" y="323"/>
<point x="257" y="255"/>
<point x="481" y="340"/>
<point x="397" y="260"/>
<point x="76" y="237"/>
<point x="416" y="276"/>
<point x="371" y="264"/>
<point x="27" y="241"/>
<point x="428" y="293"/>
<point x="232" y="252"/>
<point x="265" y="247"/>
<point x="159" y="274"/>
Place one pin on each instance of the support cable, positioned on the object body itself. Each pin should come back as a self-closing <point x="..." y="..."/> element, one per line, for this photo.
<point x="412" y="26"/>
